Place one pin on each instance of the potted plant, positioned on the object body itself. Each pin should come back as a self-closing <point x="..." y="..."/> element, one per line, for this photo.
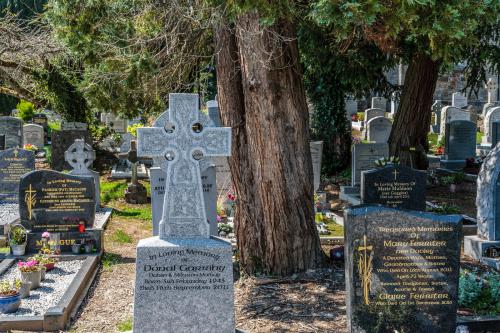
<point x="453" y="181"/>
<point x="17" y="239"/>
<point x="45" y="260"/>
<point x="89" y="246"/>
<point x="10" y="299"/>
<point x="30" y="271"/>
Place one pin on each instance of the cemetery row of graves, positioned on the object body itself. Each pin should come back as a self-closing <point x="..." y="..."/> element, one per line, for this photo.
<point x="408" y="250"/>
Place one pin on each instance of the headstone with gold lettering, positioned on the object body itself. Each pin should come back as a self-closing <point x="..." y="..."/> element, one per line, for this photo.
<point x="402" y="270"/>
<point x="183" y="270"/>
<point x="395" y="186"/>
<point x="14" y="163"/>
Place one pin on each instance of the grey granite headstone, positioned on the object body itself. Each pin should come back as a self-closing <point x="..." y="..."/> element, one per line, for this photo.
<point x="449" y="114"/>
<point x="379" y="103"/>
<point x="351" y="107"/>
<point x="12" y="128"/>
<point x="56" y="202"/>
<point x="183" y="271"/>
<point x="316" y="156"/>
<point x="80" y="157"/>
<point x="14" y="163"/>
<point x="372" y="113"/>
<point x="436" y="116"/>
<point x="394" y="186"/>
<point x="378" y="129"/>
<point x="402" y="270"/>
<point x="492" y="116"/>
<point x="460" y="142"/>
<point x="61" y="141"/>
<point x="34" y="135"/>
<point x="458" y="100"/>
<point x="208" y="180"/>
<point x="364" y="156"/>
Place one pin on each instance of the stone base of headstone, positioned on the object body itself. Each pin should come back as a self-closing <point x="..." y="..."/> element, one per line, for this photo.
<point x="453" y="164"/>
<point x="350" y="194"/>
<point x="190" y="284"/>
<point x="125" y="172"/>
<point x="475" y="247"/>
<point x="67" y="240"/>
<point x="136" y="194"/>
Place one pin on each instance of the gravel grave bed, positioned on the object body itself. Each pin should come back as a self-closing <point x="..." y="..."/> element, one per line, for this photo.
<point x="8" y="212"/>
<point x="51" y="289"/>
<point x="101" y="216"/>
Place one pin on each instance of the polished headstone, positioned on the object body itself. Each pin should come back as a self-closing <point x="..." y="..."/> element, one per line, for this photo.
<point x="12" y="129"/>
<point x="80" y="156"/>
<point x="394" y="186"/>
<point x="378" y="129"/>
<point x="34" y="135"/>
<point x="364" y="156"/>
<point x="460" y="141"/>
<point x="14" y="163"/>
<point x="402" y="270"/>
<point x="55" y="201"/>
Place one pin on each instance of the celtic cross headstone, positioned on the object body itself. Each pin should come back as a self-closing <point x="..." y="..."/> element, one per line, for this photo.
<point x="177" y="149"/>
<point x="80" y="156"/>
<point x="183" y="270"/>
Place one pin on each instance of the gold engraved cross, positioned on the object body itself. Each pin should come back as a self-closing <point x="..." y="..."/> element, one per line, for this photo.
<point x="30" y="200"/>
<point x="365" y="269"/>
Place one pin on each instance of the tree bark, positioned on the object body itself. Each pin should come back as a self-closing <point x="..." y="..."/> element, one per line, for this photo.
<point x="408" y="138"/>
<point x="261" y="96"/>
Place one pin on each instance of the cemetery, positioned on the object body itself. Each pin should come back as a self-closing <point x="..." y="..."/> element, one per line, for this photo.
<point x="252" y="167"/>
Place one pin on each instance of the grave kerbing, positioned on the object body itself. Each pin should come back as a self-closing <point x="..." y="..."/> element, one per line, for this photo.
<point x="183" y="270"/>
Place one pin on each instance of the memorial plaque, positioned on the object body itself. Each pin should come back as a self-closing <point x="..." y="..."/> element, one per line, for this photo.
<point x="56" y="202"/>
<point x="14" y="163"/>
<point x="460" y="140"/>
<point x="12" y="129"/>
<point x="402" y="270"/>
<point x="395" y="186"/>
<point x="364" y="156"/>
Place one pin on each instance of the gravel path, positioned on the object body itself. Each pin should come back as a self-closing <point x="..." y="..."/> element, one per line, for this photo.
<point x="51" y="290"/>
<point x="8" y="212"/>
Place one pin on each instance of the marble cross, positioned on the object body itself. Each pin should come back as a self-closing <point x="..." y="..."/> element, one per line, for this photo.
<point x="177" y="149"/>
<point x="80" y="157"/>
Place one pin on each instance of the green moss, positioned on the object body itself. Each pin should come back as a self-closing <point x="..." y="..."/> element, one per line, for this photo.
<point x="125" y="325"/>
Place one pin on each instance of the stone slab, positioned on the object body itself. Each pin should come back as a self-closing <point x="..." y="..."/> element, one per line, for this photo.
<point x="184" y="286"/>
<point x="402" y="270"/>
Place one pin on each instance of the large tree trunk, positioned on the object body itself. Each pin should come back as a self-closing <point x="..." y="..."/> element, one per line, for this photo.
<point x="261" y="96"/>
<point x="408" y="138"/>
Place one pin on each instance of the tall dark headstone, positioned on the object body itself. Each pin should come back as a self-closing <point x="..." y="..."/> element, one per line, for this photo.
<point x="14" y="163"/>
<point x="2" y="142"/>
<point x="460" y="143"/>
<point x="56" y="202"/>
<point x="394" y="186"/>
<point x="12" y="129"/>
<point x="402" y="270"/>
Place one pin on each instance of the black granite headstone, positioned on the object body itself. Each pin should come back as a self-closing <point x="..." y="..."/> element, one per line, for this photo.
<point x="402" y="270"/>
<point x="14" y="163"/>
<point x="460" y="140"/>
<point x="495" y="135"/>
<point x="61" y="141"/>
<point x="12" y="128"/>
<point x="2" y="142"/>
<point x="56" y="202"/>
<point x="394" y="186"/>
